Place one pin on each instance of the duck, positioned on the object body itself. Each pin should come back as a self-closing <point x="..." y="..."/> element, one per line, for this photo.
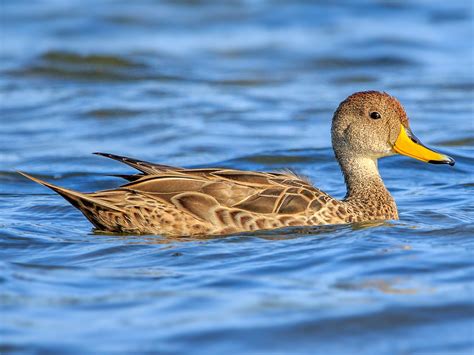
<point x="175" y="201"/>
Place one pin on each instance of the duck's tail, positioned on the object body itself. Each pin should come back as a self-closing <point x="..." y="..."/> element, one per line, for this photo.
<point x="84" y="202"/>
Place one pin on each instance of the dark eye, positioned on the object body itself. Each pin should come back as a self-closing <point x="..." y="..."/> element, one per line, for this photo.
<point x="375" y="115"/>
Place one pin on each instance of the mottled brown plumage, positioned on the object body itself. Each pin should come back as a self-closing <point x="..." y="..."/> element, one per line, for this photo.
<point x="184" y="202"/>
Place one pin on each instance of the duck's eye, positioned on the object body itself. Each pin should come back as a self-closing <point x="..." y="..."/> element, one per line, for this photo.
<point x="375" y="115"/>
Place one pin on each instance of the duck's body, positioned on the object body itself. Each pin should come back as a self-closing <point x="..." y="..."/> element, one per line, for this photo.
<point x="177" y="201"/>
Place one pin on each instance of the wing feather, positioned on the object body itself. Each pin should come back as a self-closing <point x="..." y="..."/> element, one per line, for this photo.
<point x="195" y="190"/>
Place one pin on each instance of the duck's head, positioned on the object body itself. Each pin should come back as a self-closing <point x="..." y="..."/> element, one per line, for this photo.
<point x="373" y="124"/>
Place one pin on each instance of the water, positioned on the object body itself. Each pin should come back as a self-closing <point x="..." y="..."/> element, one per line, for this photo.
<point x="248" y="85"/>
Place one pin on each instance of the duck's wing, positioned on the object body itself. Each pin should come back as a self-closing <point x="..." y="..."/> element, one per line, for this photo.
<point x="257" y="192"/>
<point x="283" y="192"/>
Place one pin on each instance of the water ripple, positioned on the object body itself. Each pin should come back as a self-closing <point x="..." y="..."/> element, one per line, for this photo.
<point x="246" y="85"/>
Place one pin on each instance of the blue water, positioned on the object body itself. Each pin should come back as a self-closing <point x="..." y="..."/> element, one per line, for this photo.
<point x="247" y="85"/>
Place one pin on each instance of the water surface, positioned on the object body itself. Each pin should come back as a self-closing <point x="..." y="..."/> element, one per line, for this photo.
<point x="247" y="85"/>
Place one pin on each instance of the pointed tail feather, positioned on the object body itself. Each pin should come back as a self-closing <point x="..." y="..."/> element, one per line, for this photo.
<point x="141" y="165"/>
<point x="129" y="178"/>
<point x="77" y="199"/>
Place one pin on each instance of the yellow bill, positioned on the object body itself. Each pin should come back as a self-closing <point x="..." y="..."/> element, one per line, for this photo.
<point x="407" y="144"/>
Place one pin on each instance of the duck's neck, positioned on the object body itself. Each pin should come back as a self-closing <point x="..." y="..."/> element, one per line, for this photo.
<point x="367" y="197"/>
<point x="362" y="178"/>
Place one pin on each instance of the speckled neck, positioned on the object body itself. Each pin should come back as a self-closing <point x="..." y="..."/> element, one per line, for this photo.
<point x="366" y="192"/>
<point x="362" y="177"/>
<point x="367" y="197"/>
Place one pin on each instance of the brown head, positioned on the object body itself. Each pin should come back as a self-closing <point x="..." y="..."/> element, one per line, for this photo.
<point x="373" y="124"/>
